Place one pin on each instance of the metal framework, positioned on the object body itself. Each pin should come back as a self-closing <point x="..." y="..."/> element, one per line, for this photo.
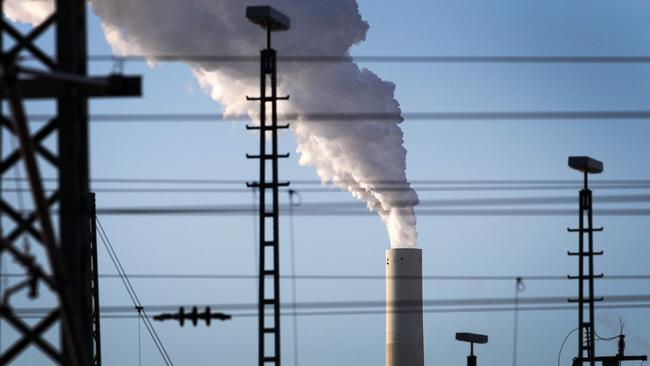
<point x="65" y="272"/>
<point x="587" y="335"/>
<point x="269" y="268"/>
<point x="586" y="332"/>
<point x="94" y="284"/>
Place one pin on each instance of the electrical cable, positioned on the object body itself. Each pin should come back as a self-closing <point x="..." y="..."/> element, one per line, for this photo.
<point x="380" y="182"/>
<point x="559" y="354"/>
<point x="507" y="59"/>
<point x="379" y="117"/>
<point x="137" y="303"/>
<point x="355" y="206"/>
<point x="215" y="211"/>
<point x="519" y="287"/>
<point x="383" y="312"/>
<point x="139" y="341"/>
<point x="608" y="339"/>
<point x="255" y="238"/>
<point x="336" y="189"/>
<point x="176" y="276"/>
<point x="524" y="303"/>
<point x="132" y="294"/>
<point x="292" y="241"/>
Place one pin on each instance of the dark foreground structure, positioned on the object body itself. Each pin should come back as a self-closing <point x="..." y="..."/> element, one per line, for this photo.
<point x="68" y="271"/>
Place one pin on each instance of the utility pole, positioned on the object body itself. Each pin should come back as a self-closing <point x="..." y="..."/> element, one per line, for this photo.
<point x="63" y="80"/>
<point x="586" y="326"/>
<point x="586" y="332"/>
<point x="269" y="237"/>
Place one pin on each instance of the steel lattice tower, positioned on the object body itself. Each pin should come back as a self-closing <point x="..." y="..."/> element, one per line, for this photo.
<point x="66" y="270"/>
<point x="269" y="231"/>
<point x="586" y="331"/>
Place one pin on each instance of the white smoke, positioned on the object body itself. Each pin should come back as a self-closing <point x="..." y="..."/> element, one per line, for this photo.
<point x="359" y="156"/>
<point x="28" y="11"/>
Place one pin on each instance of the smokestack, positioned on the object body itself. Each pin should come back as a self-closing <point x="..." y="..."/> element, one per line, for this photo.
<point x="404" y="338"/>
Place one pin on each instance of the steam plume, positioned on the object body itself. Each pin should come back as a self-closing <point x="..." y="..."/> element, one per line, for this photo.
<point x="359" y="156"/>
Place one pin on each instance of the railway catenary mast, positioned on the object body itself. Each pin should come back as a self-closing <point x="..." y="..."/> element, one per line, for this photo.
<point x="270" y="20"/>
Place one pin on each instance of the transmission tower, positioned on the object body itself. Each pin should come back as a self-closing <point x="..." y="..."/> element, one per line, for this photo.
<point x="269" y="268"/>
<point x="65" y="272"/>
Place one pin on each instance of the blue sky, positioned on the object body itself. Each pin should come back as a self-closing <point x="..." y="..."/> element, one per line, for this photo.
<point x="436" y="150"/>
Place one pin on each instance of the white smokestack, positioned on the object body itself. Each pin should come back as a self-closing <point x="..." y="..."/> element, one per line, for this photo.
<point x="404" y="333"/>
<point x="359" y="156"/>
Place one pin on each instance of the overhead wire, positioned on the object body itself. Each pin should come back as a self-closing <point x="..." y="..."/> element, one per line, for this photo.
<point x="507" y="59"/>
<point x="202" y="181"/>
<point x="199" y="276"/>
<point x="380" y="117"/>
<point x="336" y="189"/>
<point x="559" y="354"/>
<point x="292" y="243"/>
<point x="452" y="303"/>
<point x="132" y="294"/>
<point x="216" y="211"/>
<point x="383" y="312"/>
<point x="519" y="287"/>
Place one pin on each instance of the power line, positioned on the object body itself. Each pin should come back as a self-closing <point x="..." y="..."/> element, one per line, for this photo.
<point x="336" y="189"/>
<point x="375" y="117"/>
<point x="176" y="211"/>
<point x="293" y="194"/>
<point x="368" y="304"/>
<point x="383" y="312"/>
<point x="176" y="276"/>
<point x="132" y="294"/>
<point x="507" y="59"/>
<point x="462" y="182"/>
<point x="449" y="202"/>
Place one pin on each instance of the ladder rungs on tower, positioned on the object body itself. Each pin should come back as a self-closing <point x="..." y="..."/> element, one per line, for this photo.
<point x="268" y="157"/>
<point x="585" y="254"/>
<point x="269" y="128"/>
<point x="585" y="230"/>
<point x="268" y="185"/>
<point x="575" y="300"/>
<point x="267" y="99"/>
<point x="585" y="277"/>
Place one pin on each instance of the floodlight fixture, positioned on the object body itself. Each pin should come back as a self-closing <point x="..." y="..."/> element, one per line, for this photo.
<point x="472" y="338"/>
<point x="586" y="164"/>
<point x="268" y="18"/>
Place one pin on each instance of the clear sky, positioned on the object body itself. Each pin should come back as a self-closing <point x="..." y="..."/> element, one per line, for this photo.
<point x="452" y="245"/>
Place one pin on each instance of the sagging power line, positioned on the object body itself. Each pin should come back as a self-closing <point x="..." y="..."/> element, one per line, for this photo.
<point x="587" y="115"/>
<point x="639" y="299"/>
<point x="345" y="277"/>
<point x="507" y="59"/>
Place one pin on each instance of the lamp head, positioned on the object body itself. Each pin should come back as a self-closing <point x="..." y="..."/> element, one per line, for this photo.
<point x="268" y="18"/>
<point x="586" y="164"/>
